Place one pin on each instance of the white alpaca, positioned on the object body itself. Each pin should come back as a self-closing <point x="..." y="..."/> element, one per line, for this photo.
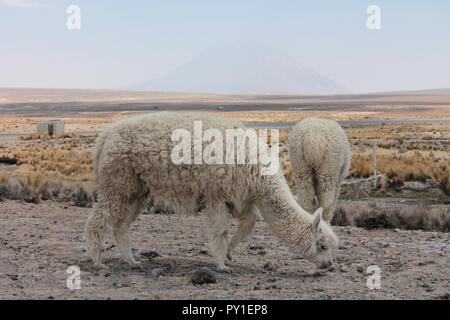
<point x="132" y="162"/>
<point x="320" y="157"/>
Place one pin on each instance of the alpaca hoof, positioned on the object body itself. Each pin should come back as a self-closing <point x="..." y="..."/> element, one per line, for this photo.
<point x="229" y="257"/>
<point x="224" y="269"/>
<point x="100" y="266"/>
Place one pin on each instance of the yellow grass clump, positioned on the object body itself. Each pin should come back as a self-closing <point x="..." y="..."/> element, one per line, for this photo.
<point x="398" y="132"/>
<point x="34" y="179"/>
<point x="54" y="162"/>
<point x="401" y="167"/>
<point x="45" y="137"/>
<point x="4" y="176"/>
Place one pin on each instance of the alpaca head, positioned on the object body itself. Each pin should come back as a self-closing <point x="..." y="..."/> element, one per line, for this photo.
<point x="323" y="242"/>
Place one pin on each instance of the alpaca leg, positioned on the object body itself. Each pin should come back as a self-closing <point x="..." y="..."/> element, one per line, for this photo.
<point x="336" y="195"/>
<point x="121" y="230"/>
<point x="343" y="174"/>
<point x="306" y="191"/>
<point x="94" y="232"/>
<point x="121" y="235"/>
<point x="326" y="195"/>
<point x="246" y="226"/>
<point x="218" y="221"/>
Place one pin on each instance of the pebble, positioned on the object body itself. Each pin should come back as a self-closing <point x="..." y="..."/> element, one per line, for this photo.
<point x="317" y="274"/>
<point x="344" y="269"/>
<point x="268" y="266"/>
<point x="360" y="268"/>
<point x="150" y="254"/>
<point x="14" y="277"/>
<point x="274" y="286"/>
<point x="157" y="272"/>
<point x="424" y="263"/>
<point x="203" y="275"/>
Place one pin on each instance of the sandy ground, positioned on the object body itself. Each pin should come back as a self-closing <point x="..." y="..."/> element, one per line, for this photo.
<point x="39" y="242"/>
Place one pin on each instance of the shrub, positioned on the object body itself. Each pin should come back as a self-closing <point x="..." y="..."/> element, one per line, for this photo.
<point x="370" y="216"/>
<point x="28" y="194"/>
<point x="83" y="198"/>
<point x="445" y="184"/>
<point x="34" y="179"/>
<point x="422" y="217"/>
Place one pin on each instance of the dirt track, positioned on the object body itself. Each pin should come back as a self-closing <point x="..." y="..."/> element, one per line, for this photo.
<point x="38" y="243"/>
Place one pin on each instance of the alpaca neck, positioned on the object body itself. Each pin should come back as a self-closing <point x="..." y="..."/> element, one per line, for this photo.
<point x="287" y="219"/>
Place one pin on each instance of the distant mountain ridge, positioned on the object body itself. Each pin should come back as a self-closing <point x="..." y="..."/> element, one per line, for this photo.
<point x="248" y="67"/>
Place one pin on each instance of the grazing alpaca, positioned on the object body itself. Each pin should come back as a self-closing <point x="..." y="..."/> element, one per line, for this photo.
<point x="320" y="157"/>
<point x="132" y="163"/>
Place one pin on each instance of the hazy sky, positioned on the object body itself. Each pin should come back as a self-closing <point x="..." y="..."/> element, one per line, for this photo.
<point x="122" y="43"/>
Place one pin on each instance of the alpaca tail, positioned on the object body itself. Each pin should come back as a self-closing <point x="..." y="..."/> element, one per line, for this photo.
<point x="98" y="149"/>
<point x="313" y="149"/>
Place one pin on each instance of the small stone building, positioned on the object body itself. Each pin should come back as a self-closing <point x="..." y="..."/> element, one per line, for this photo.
<point x="52" y="127"/>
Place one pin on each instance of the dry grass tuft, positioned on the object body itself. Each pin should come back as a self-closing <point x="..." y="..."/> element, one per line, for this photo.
<point x="4" y="176"/>
<point x="77" y="194"/>
<point x="45" y="137"/>
<point x="83" y="198"/>
<point x="422" y="217"/>
<point x="34" y="179"/>
<point x="19" y="191"/>
<point x="370" y="216"/>
<point x="399" y="168"/>
<point x="54" y="162"/>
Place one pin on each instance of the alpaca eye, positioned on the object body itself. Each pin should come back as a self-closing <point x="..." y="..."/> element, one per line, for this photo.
<point x="323" y="247"/>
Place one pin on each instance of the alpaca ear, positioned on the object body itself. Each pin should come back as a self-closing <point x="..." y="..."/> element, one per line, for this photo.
<point x="317" y="218"/>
